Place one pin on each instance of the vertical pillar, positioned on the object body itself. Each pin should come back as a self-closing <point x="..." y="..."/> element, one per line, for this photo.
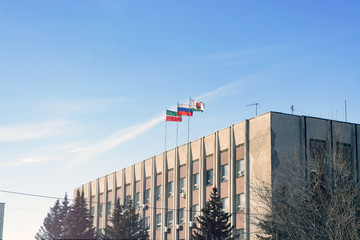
<point x="176" y="194"/>
<point x="247" y="181"/>
<point x="164" y="197"/>
<point x="152" y="199"/>
<point x="232" y="175"/>
<point x="188" y="192"/>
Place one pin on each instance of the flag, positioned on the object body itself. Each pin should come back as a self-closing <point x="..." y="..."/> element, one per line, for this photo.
<point x="173" y="116"/>
<point x="184" y="110"/>
<point x="196" y="105"/>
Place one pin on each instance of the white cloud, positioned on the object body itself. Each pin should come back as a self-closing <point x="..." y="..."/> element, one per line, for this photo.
<point x="29" y="131"/>
<point x="108" y="143"/>
<point x="24" y="161"/>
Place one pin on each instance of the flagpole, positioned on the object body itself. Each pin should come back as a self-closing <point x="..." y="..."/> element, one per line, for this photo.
<point x="177" y="133"/>
<point x="165" y="129"/>
<point x="189" y="121"/>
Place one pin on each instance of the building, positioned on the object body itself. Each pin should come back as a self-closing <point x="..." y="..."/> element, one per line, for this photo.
<point x="2" y="211"/>
<point x="172" y="187"/>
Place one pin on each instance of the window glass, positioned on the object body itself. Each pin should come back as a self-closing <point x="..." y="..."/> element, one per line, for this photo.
<point x="127" y="199"/>
<point x="225" y="204"/>
<point x="239" y="234"/>
<point x="240" y="202"/>
<point x="100" y="210"/>
<point x="137" y="199"/>
<point x="147" y="222"/>
<point x="169" y="219"/>
<point x="170" y="189"/>
<point x="196" y="181"/>
<point x="158" y="193"/>
<point x="209" y="177"/>
<point x="108" y="208"/>
<point x="224" y="172"/>
<point x="195" y="212"/>
<point x="239" y="165"/>
<point x="147" y="195"/>
<point x="182" y="184"/>
<point x="158" y="221"/>
<point x="181" y="215"/>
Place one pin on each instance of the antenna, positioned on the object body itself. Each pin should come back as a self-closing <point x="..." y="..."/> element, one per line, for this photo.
<point x="345" y="112"/>
<point x="254" y="104"/>
<point x="292" y="109"/>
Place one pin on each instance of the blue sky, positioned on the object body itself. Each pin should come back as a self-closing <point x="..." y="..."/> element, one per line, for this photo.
<point x="84" y="84"/>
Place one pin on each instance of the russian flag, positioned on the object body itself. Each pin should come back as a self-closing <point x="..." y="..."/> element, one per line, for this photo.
<point x="184" y="110"/>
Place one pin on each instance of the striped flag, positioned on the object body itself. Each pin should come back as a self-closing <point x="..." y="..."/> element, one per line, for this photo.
<point x="184" y="110"/>
<point x="172" y="116"/>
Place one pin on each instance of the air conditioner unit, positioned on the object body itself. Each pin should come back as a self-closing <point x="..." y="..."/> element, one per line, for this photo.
<point x="183" y="195"/>
<point x="179" y="227"/>
<point x="167" y="230"/>
<point x="195" y="186"/>
<point x="145" y="207"/>
<point x="241" y="173"/>
<point x="241" y="208"/>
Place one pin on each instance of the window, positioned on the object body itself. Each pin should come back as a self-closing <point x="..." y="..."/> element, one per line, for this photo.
<point x="224" y="172"/>
<point x="182" y="184"/>
<point x="147" y="195"/>
<point x="209" y="177"/>
<point x="170" y="189"/>
<point x="108" y="208"/>
<point x="127" y="199"/>
<point x="195" y="211"/>
<point x="147" y="223"/>
<point x="181" y="215"/>
<point x="92" y="211"/>
<point x="169" y="218"/>
<point x="100" y="210"/>
<point x="225" y="204"/>
<point x="239" y="165"/>
<point x="137" y="199"/>
<point x="158" y="193"/>
<point x="240" y="202"/>
<point x="239" y="234"/>
<point x="158" y="221"/>
<point x="195" y="178"/>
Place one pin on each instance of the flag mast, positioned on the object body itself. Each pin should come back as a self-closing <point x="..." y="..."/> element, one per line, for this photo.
<point x="189" y="121"/>
<point x="165" y="129"/>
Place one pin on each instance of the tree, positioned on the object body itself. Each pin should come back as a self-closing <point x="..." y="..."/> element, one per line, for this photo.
<point x="214" y="222"/>
<point x="79" y="222"/>
<point x="53" y="224"/>
<point x="322" y="202"/>
<point x="125" y="223"/>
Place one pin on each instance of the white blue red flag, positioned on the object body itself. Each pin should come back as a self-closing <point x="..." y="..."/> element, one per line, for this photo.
<point x="184" y="110"/>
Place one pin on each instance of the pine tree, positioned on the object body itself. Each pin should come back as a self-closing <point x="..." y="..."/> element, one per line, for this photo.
<point x="125" y="223"/>
<point x="53" y="227"/>
<point x="79" y="221"/>
<point x="214" y="222"/>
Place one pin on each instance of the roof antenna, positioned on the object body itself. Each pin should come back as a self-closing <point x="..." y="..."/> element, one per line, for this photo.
<point x="292" y="109"/>
<point x="345" y="112"/>
<point x="254" y="104"/>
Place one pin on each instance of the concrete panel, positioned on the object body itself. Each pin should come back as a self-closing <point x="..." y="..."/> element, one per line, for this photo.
<point x="260" y="148"/>
<point x="159" y="163"/>
<point x="317" y="129"/>
<point x="128" y="174"/>
<point x="86" y="190"/>
<point x="171" y="159"/>
<point x="195" y="149"/>
<point x="101" y="184"/>
<point x="224" y="138"/>
<point x="182" y="172"/>
<point x="138" y="171"/>
<point x="148" y="167"/>
<point x="110" y="181"/>
<point x="239" y="133"/>
<point x="119" y="179"/>
<point x="209" y="144"/>
<point x="182" y="154"/>
<point x="343" y="132"/>
<point x="93" y="187"/>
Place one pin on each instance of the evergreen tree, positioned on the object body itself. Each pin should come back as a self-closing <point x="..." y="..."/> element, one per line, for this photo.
<point x="214" y="222"/>
<point x="125" y="223"/>
<point x="53" y="227"/>
<point x="79" y="222"/>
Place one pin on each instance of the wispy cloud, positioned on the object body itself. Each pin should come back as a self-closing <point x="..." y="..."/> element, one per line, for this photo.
<point x="24" y="161"/>
<point x="108" y="143"/>
<point x="29" y="131"/>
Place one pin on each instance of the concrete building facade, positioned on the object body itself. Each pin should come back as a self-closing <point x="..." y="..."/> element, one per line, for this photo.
<point x="172" y="187"/>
